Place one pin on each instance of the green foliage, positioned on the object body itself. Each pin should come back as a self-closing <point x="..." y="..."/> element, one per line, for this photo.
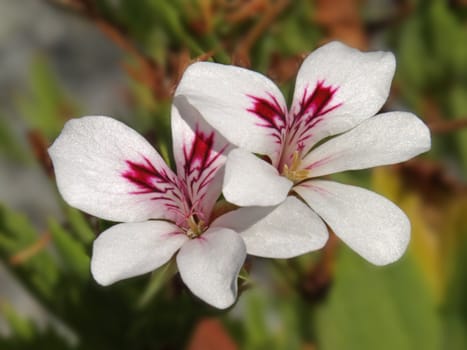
<point x="40" y="270"/>
<point x="378" y="308"/>
<point x="72" y="253"/>
<point x="273" y="322"/>
<point x="47" y="108"/>
<point x="26" y="335"/>
<point x="159" y="278"/>
<point x="9" y="145"/>
<point x="417" y="303"/>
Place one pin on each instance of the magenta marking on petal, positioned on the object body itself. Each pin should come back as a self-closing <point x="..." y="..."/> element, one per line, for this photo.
<point x="200" y="159"/>
<point x="315" y="188"/>
<point x="173" y="233"/>
<point x="321" y="190"/>
<point x="319" y="163"/>
<point x="201" y="163"/>
<point x="147" y="178"/>
<point x="270" y="113"/>
<point x="200" y="152"/>
<point x="311" y="110"/>
<point x="161" y="187"/>
<point x="316" y="103"/>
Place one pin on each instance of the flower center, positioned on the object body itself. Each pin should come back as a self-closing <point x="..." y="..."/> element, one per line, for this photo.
<point x="196" y="227"/>
<point x="292" y="171"/>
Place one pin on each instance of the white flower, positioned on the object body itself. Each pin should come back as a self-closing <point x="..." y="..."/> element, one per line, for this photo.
<point x="110" y="171"/>
<point x="338" y="92"/>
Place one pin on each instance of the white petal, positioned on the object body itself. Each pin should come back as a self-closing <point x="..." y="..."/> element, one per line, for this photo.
<point x="209" y="266"/>
<point x="384" y="139"/>
<point x="284" y="231"/>
<point x="133" y="249"/>
<point x="244" y="106"/>
<point x="200" y="154"/>
<point x="338" y="87"/>
<point x="368" y="223"/>
<point x="250" y="180"/>
<point x="107" y="169"/>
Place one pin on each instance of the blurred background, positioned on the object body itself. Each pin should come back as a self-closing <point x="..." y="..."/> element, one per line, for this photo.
<point x="66" y="58"/>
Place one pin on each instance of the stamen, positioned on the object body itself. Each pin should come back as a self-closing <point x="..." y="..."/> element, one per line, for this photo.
<point x="292" y="172"/>
<point x="196" y="227"/>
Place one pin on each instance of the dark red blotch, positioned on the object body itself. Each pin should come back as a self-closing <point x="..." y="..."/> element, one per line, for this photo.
<point x="269" y="111"/>
<point x="146" y="177"/>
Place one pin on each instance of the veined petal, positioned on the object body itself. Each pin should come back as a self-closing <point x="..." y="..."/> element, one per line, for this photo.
<point x="133" y="249"/>
<point x="368" y="223"/>
<point x="250" y="180"/>
<point x="108" y="170"/>
<point x="244" y="106"/>
<point x="200" y="154"/>
<point x="384" y="139"/>
<point x="285" y="231"/>
<point x="337" y="88"/>
<point x="209" y="266"/>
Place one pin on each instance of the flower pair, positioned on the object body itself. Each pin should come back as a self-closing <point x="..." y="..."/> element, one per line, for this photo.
<point x="222" y="116"/>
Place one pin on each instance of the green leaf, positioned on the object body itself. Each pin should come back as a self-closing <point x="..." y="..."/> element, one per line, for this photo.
<point x="454" y="310"/>
<point x="377" y="308"/>
<point x="411" y="64"/>
<point x="171" y="17"/>
<point x="80" y="225"/>
<point x="47" y="108"/>
<point x="71" y="251"/>
<point x="158" y="279"/>
<point x="36" y="267"/>
<point x="20" y="327"/>
<point x="458" y="108"/>
<point x="9" y="144"/>
<point x="257" y="335"/>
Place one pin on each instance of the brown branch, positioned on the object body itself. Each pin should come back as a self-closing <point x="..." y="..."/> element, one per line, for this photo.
<point x="446" y="126"/>
<point x="183" y="60"/>
<point x="30" y="251"/>
<point x="241" y="54"/>
<point x="341" y="20"/>
<point x="242" y="11"/>
<point x="432" y="180"/>
<point x="39" y="145"/>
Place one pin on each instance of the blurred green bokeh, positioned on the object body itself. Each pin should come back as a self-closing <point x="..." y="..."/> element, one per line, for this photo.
<point x="325" y="300"/>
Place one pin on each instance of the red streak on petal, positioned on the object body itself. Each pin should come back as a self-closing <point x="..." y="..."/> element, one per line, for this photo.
<point x="312" y="109"/>
<point x="200" y="151"/>
<point x="319" y="163"/>
<point x="163" y="188"/>
<point x="270" y="114"/>
<point x="317" y="101"/>
<point x="200" y="167"/>
<point x="147" y="178"/>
